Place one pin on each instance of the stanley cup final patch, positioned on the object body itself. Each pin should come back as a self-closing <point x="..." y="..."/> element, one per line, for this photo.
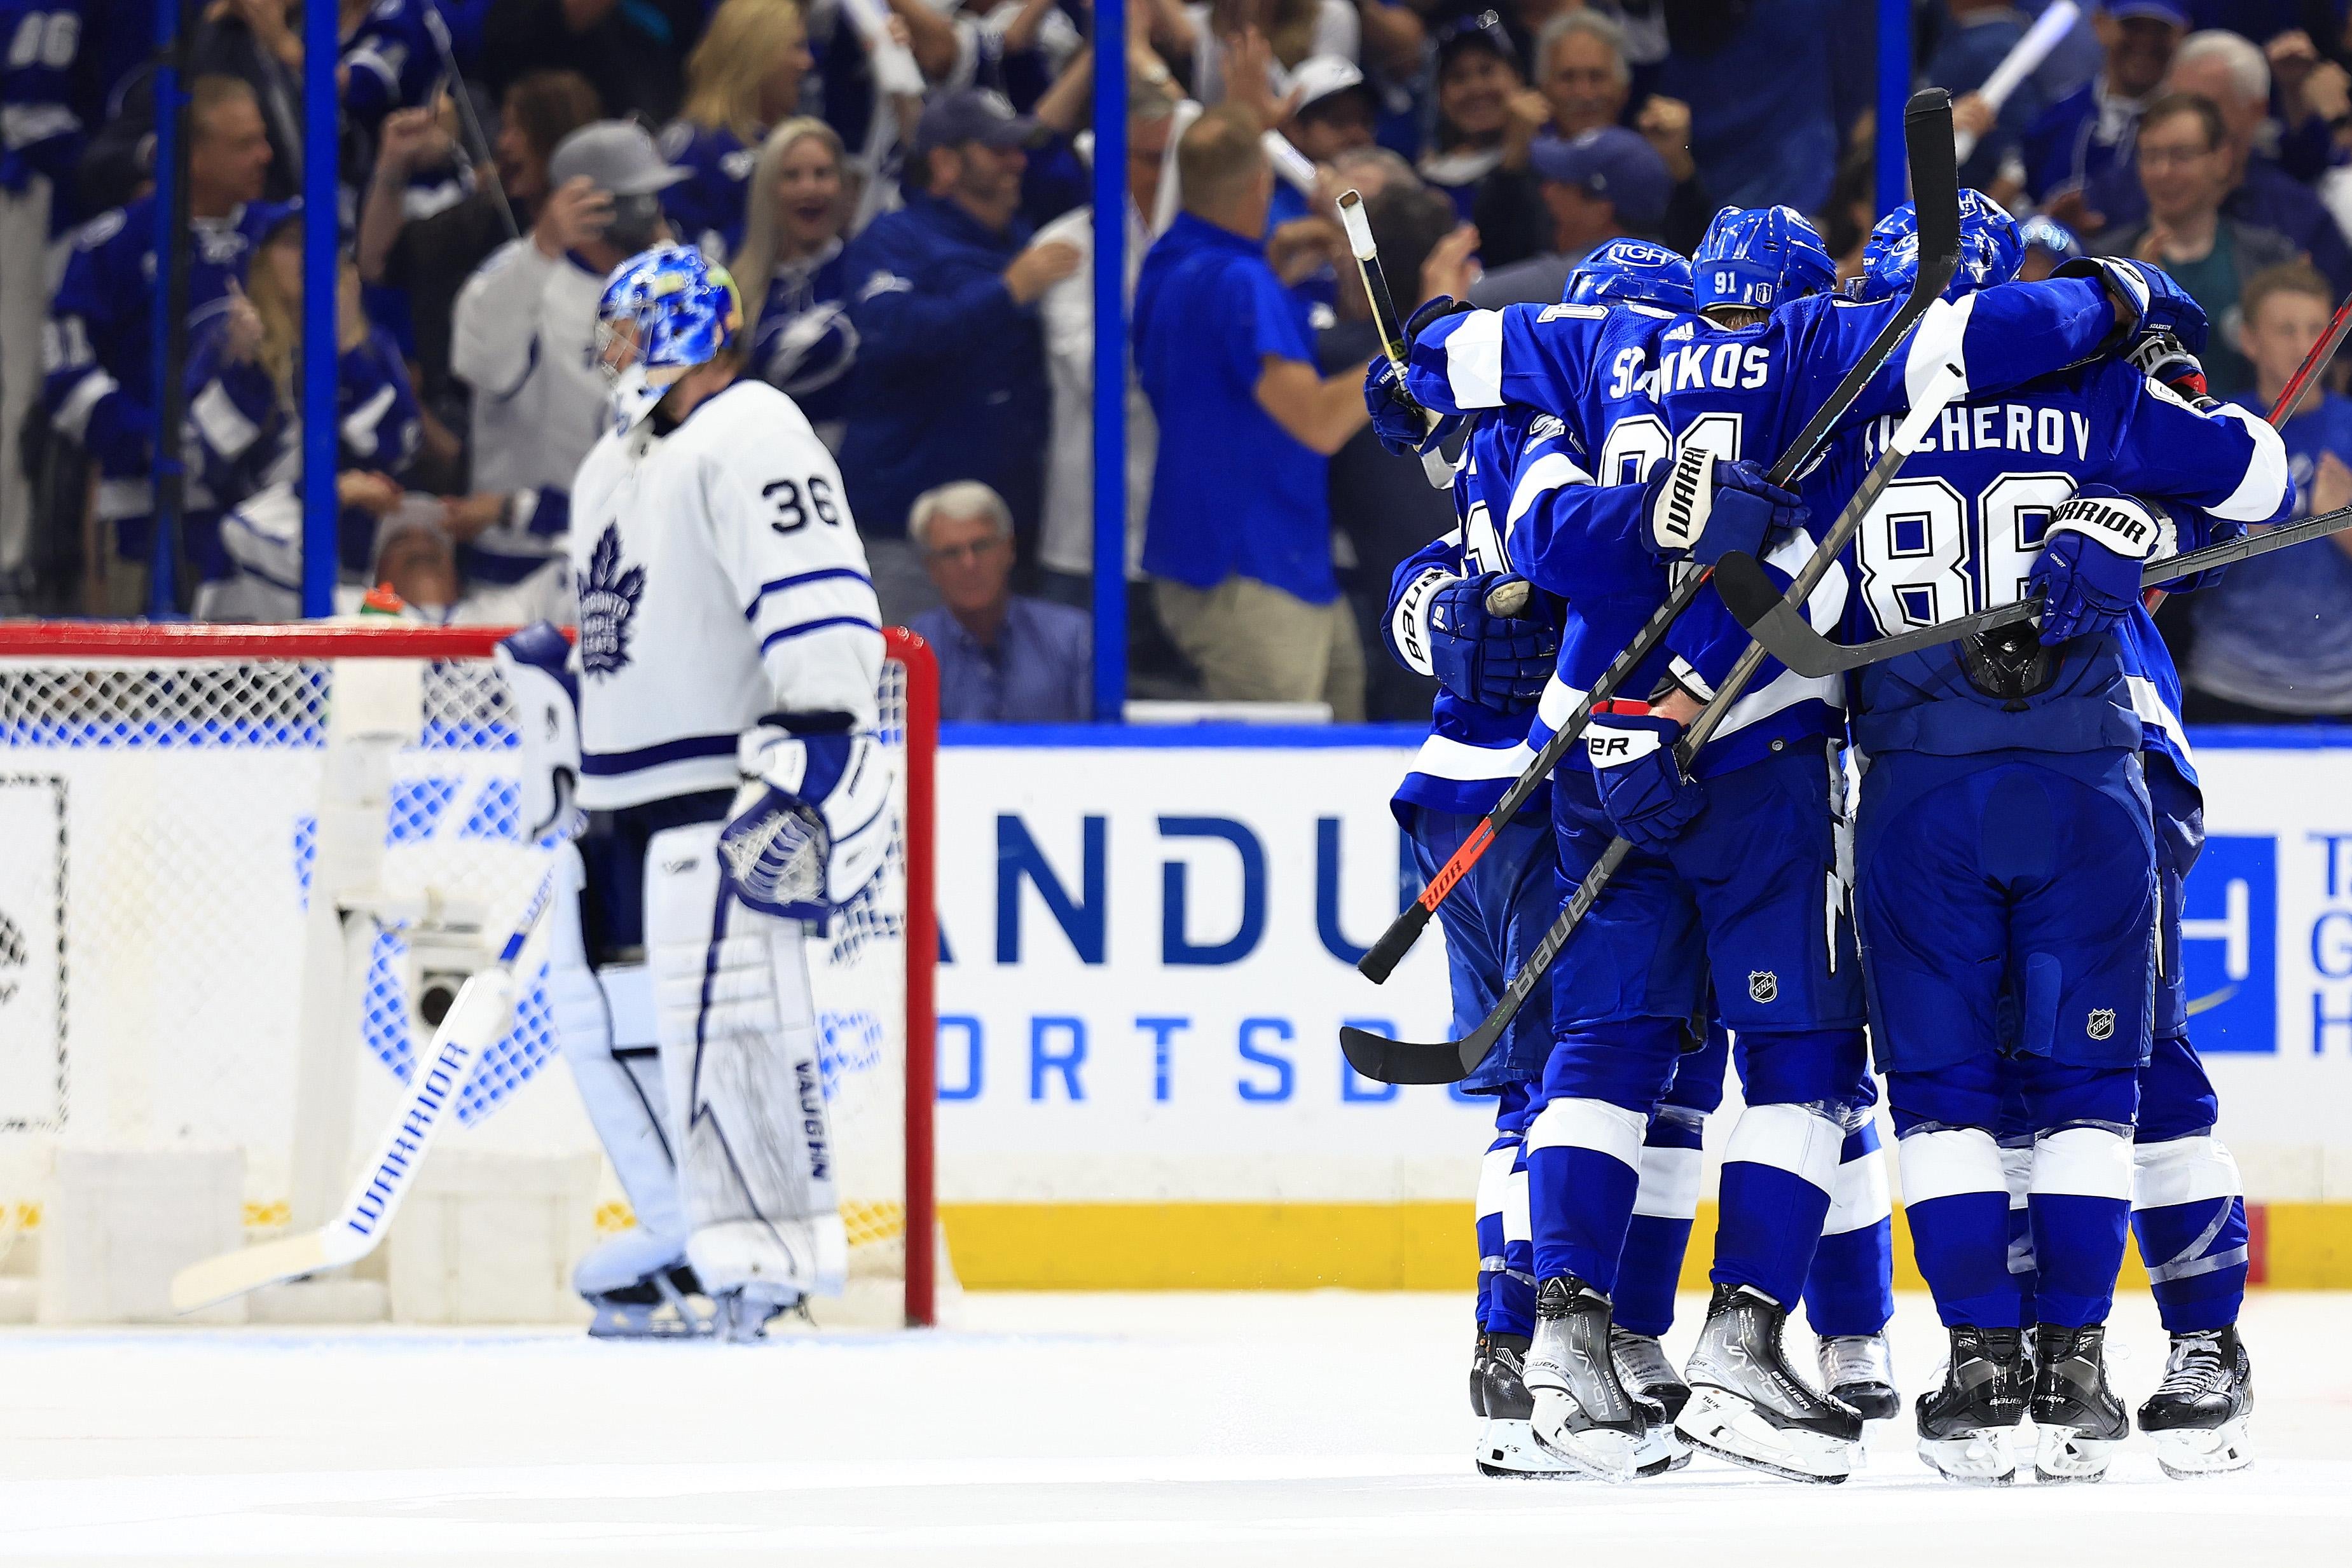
<point x="2102" y="1026"/>
<point x="1763" y="985"/>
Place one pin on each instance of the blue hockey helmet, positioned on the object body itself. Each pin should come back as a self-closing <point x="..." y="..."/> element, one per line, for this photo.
<point x="1759" y="257"/>
<point x="1631" y="269"/>
<point x="664" y="312"/>
<point x="1990" y="249"/>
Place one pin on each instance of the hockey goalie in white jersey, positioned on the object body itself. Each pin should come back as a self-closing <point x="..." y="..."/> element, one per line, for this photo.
<point x="733" y="788"/>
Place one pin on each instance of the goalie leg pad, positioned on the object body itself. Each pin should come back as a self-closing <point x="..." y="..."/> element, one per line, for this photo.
<point x="604" y="1026"/>
<point x="739" y="1049"/>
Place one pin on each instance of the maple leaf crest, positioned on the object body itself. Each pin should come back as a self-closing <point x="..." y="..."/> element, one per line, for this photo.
<point x="608" y="602"/>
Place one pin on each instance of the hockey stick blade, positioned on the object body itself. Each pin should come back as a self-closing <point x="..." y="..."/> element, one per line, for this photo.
<point x="482" y="1011"/>
<point x="1935" y="181"/>
<point x="1738" y="579"/>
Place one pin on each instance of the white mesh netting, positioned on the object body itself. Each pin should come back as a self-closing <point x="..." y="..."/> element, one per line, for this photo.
<point x="159" y="817"/>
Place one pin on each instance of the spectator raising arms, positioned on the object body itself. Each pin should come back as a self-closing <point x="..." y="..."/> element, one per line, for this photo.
<point x="245" y="410"/>
<point x="2083" y="135"/>
<point x="744" y="77"/>
<point x="1240" y="529"/>
<point x="2274" y="636"/>
<point x="1003" y="659"/>
<point x="101" y="358"/>
<point x="794" y="271"/>
<point x="951" y="377"/>
<point x="1477" y="78"/>
<point x="2184" y="164"/>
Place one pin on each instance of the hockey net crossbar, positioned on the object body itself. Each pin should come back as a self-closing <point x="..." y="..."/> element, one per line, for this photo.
<point x="159" y="790"/>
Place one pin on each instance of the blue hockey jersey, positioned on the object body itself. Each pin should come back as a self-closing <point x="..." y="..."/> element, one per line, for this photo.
<point x="393" y="59"/>
<point x="804" y="344"/>
<point x="1961" y="527"/>
<point x="39" y="132"/>
<point x="706" y="208"/>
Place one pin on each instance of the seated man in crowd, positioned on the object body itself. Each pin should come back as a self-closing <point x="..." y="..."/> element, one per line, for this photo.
<point x="1003" y="659"/>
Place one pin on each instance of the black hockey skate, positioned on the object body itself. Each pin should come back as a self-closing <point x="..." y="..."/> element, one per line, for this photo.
<point x="1582" y="1415"/>
<point x="1507" y="1444"/>
<point x="1643" y="1368"/>
<point x="2080" y="1421"/>
<point x="1748" y="1404"/>
<point x="1859" y="1370"/>
<point x="1963" y="1426"/>
<point x="2198" y="1413"/>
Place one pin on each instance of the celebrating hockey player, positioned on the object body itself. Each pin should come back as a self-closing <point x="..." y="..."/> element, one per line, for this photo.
<point x="1680" y="399"/>
<point x="730" y="649"/>
<point x="2007" y="885"/>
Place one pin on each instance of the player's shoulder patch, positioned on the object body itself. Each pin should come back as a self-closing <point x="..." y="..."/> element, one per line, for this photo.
<point x="1546" y="428"/>
<point x="1573" y="313"/>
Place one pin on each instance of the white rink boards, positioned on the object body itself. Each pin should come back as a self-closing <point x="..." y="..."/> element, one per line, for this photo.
<point x="1100" y="1429"/>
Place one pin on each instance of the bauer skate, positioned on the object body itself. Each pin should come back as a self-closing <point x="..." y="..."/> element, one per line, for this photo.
<point x="1963" y="1426"/>
<point x="1507" y="1444"/>
<point x="2079" y="1420"/>
<point x="1643" y="1368"/>
<point x="1859" y="1370"/>
<point x="2198" y="1413"/>
<point x="1582" y="1413"/>
<point x="1748" y="1404"/>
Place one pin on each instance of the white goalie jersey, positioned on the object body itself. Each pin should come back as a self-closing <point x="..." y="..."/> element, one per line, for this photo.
<point x="720" y="580"/>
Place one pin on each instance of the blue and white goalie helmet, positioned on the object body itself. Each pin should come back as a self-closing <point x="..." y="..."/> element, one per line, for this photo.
<point x="1631" y="269"/>
<point x="1759" y="257"/>
<point x="664" y="312"/>
<point x="1991" y="250"/>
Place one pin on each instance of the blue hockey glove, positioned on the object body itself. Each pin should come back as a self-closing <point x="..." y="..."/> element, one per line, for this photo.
<point x="536" y="665"/>
<point x="2195" y="530"/>
<point x="1702" y="507"/>
<point x="810" y="825"/>
<point x="1402" y="425"/>
<point x="2089" y="569"/>
<point x="1642" y="787"/>
<point x="2148" y="293"/>
<point x="1496" y="660"/>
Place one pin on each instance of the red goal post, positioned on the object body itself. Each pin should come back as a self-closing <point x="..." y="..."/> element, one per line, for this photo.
<point x="83" y="703"/>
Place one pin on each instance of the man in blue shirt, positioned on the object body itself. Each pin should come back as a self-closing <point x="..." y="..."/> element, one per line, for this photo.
<point x="951" y="377"/>
<point x="1003" y="660"/>
<point x="1239" y="532"/>
<point x="2274" y="641"/>
<point x="2083" y="134"/>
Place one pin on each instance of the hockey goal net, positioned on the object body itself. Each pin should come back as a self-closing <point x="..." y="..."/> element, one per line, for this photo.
<point x="159" y="829"/>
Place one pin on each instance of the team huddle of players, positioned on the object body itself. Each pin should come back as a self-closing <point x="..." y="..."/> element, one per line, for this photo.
<point x="2001" y="905"/>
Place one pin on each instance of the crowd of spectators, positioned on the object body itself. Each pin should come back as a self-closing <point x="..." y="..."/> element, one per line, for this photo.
<point x="899" y="188"/>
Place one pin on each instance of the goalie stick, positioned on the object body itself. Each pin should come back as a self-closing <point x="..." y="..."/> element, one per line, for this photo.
<point x="483" y="1010"/>
<point x="1384" y="1060"/>
<point x="1385" y="319"/>
<point x="1927" y="141"/>
<point x="1746" y="588"/>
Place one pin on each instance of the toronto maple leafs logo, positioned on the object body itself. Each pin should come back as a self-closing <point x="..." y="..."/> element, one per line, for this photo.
<point x="608" y="602"/>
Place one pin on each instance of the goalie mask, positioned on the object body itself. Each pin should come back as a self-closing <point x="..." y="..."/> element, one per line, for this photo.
<point x="663" y="313"/>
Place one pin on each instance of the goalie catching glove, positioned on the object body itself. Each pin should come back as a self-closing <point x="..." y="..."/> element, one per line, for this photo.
<point x="2089" y="570"/>
<point x="536" y="664"/>
<point x="810" y="826"/>
<point x="1642" y="786"/>
<point x="1703" y="508"/>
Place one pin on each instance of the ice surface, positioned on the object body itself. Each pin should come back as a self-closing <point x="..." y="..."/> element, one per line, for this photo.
<point x="1118" y="1431"/>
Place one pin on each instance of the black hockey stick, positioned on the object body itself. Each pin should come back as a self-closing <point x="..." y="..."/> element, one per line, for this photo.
<point x="1928" y="118"/>
<point x="1385" y="319"/>
<point x="1745" y="590"/>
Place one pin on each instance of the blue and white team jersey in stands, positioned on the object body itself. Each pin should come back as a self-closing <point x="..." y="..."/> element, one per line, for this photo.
<point x="393" y="59"/>
<point x="1474" y="753"/>
<point x="706" y="208"/>
<point x="804" y="344"/>
<point x="1637" y="384"/>
<point x="1961" y="528"/>
<point x="40" y="134"/>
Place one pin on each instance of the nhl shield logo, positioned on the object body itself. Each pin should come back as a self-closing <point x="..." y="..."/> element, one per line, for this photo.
<point x="2103" y="1024"/>
<point x="1763" y="985"/>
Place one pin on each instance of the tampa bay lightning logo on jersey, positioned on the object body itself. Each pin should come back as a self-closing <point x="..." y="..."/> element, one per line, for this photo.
<point x="2102" y="1026"/>
<point x="608" y="602"/>
<point x="1763" y="985"/>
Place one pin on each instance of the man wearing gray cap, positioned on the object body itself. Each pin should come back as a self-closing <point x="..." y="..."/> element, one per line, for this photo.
<point x="523" y="334"/>
<point x="951" y="377"/>
<point x="1604" y="184"/>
